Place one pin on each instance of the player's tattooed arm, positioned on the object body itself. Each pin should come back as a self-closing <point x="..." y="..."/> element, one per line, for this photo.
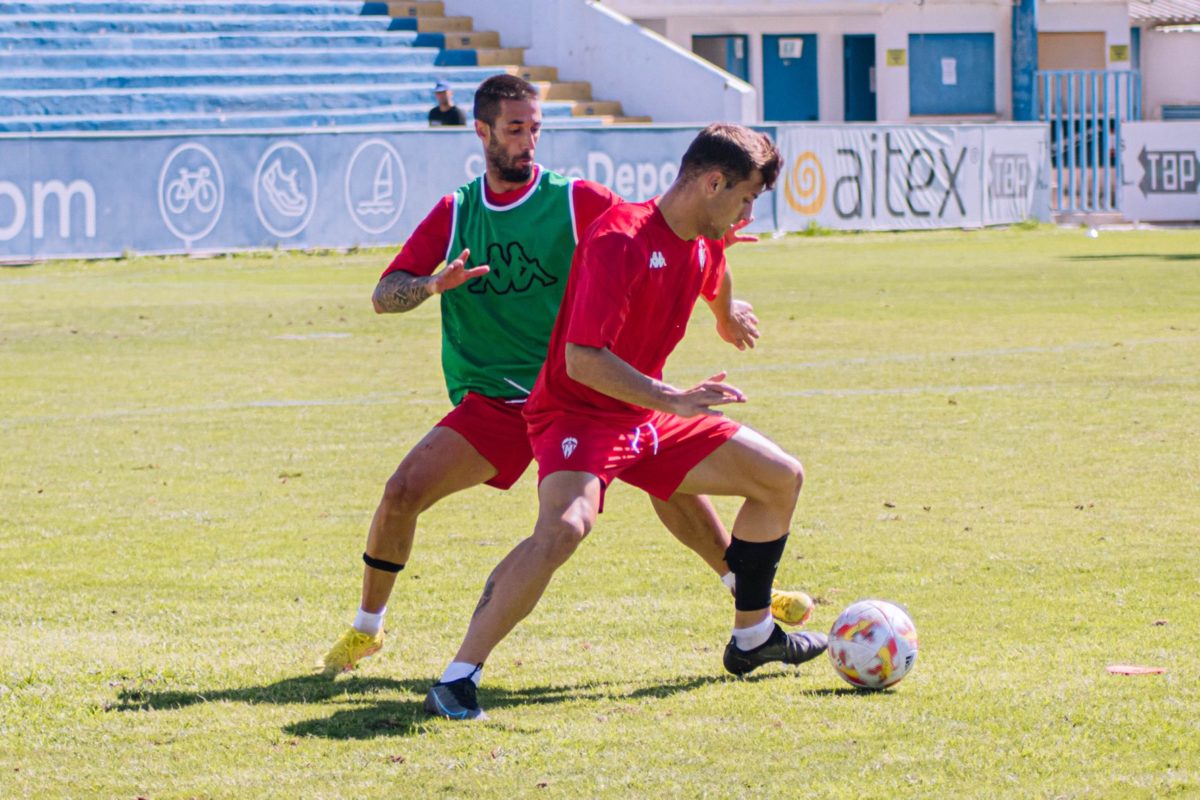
<point x="401" y="291"/>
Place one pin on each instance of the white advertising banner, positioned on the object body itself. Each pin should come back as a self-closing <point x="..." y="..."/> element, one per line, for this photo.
<point x="93" y="196"/>
<point x="1160" y="162"/>
<point x="894" y="177"/>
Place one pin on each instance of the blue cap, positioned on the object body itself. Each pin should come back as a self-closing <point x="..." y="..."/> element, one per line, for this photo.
<point x="441" y="86"/>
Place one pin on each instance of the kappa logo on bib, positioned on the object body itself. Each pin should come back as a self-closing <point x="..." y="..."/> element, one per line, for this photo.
<point x="657" y="260"/>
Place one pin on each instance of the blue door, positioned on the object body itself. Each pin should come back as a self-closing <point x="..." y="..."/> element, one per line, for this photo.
<point x="858" y="76"/>
<point x="790" y="77"/>
<point x="729" y="51"/>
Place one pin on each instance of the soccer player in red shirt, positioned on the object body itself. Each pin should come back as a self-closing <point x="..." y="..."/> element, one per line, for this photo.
<point x="600" y="410"/>
<point x="496" y="322"/>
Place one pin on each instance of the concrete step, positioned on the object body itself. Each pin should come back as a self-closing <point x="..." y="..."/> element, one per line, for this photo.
<point x="459" y="78"/>
<point x="460" y="40"/>
<point x="500" y="57"/>
<point x="113" y="61"/>
<point x="594" y="108"/>
<point x="411" y="116"/>
<point x="445" y="24"/>
<point x="535" y="74"/>
<point x="207" y="41"/>
<point x="143" y="24"/>
<point x="630" y="121"/>
<point x="428" y="8"/>
<point x="564" y="90"/>
<point x="1090" y="219"/>
<point x="15" y="103"/>
<point x="278" y="7"/>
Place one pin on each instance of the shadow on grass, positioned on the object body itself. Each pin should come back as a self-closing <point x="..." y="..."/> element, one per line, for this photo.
<point x="371" y="718"/>
<point x="313" y="688"/>
<point x="1132" y="256"/>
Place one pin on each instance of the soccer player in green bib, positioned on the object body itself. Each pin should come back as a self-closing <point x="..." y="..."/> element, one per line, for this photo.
<point x="507" y="240"/>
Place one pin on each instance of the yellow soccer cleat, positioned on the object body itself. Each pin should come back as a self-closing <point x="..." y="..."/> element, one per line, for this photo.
<point x="352" y="647"/>
<point x="791" y="608"/>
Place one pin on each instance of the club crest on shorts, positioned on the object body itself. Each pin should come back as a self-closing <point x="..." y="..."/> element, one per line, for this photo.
<point x="568" y="446"/>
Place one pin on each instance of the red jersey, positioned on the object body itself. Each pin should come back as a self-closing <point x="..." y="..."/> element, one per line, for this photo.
<point x="632" y="289"/>
<point x="426" y="247"/>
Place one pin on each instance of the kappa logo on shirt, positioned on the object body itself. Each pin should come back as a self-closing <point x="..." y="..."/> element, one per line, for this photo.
<point x="657" y="260"/>
<point x="568" y="446"/>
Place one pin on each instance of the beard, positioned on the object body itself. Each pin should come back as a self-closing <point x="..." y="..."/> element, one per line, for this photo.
<point x="506" y="165"/>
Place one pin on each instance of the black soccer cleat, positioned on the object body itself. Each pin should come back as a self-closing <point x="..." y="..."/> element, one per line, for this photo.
<point x="787" y="648"/>
<point x="454" y="700"/>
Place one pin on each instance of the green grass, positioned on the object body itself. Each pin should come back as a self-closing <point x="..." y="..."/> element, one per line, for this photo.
<point x="999" y="430"/>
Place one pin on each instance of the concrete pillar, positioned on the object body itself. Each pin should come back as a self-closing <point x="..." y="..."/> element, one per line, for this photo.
<point x="1024" y="60"/>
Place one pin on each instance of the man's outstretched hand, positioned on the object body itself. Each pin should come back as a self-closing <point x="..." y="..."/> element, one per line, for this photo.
<point x="456" y="274"/>
<point x="701" y="398"/>
<point x="740" y="328"/>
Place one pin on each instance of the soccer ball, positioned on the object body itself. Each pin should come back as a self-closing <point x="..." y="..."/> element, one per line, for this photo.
<point x="873" y="644"/>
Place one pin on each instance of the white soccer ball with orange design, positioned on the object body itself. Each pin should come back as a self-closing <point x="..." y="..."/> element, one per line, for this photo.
<point x="873" y="644"/>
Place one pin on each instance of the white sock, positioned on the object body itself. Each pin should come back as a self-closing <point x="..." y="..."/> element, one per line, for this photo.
<point x="462" y="669"/>
<point x="730" y="581"/>
<point x="368" y="623"/>
<point x="752" y="637"/>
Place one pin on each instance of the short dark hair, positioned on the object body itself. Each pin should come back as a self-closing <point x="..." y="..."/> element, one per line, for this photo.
<point x="497" y="88"/>
<point x="735" y="150"/>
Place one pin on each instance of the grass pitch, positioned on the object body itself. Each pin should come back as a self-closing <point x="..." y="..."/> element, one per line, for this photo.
<point x="999" y="430"/>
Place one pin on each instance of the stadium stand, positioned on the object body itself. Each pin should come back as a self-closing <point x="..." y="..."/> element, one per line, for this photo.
<point x="129" y="65"/>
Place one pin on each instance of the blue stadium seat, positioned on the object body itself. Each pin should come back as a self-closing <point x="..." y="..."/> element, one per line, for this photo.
<point x="128" y="65"/>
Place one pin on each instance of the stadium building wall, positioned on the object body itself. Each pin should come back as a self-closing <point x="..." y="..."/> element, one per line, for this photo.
<point x="97" y="196"/>
<point x="894" y="25"/>
<point x="1171" y="73"/>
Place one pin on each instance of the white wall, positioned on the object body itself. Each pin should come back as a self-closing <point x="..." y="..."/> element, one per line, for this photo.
<point x="891" y="22"/>
<point x="587" y="41"/>
<point x="1170" y="70"/>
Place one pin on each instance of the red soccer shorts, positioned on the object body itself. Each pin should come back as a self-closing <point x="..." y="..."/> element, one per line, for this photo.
<point x="496" y="430"/>
<point x="655" y="457"/>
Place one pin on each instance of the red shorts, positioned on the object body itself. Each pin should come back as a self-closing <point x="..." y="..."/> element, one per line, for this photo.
<point x="496" y="429"/>
<point x="655" y="457"/>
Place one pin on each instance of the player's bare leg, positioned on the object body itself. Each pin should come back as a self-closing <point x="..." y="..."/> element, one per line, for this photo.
<point x="567" y="506"/>
<point x="694" y="522"/>
<point x="751" y="466"/>
<point x="439" y="465"/>
<point x="568" y="503"/>
<point x="442" y="463"/>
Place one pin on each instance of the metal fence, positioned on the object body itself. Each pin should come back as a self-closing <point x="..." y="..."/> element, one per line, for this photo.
<point x="1085" y="109"/>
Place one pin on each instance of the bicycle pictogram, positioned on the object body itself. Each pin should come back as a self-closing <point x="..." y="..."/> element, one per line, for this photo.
<point x="192" y="187"/>
<point x="191" y="192"/>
